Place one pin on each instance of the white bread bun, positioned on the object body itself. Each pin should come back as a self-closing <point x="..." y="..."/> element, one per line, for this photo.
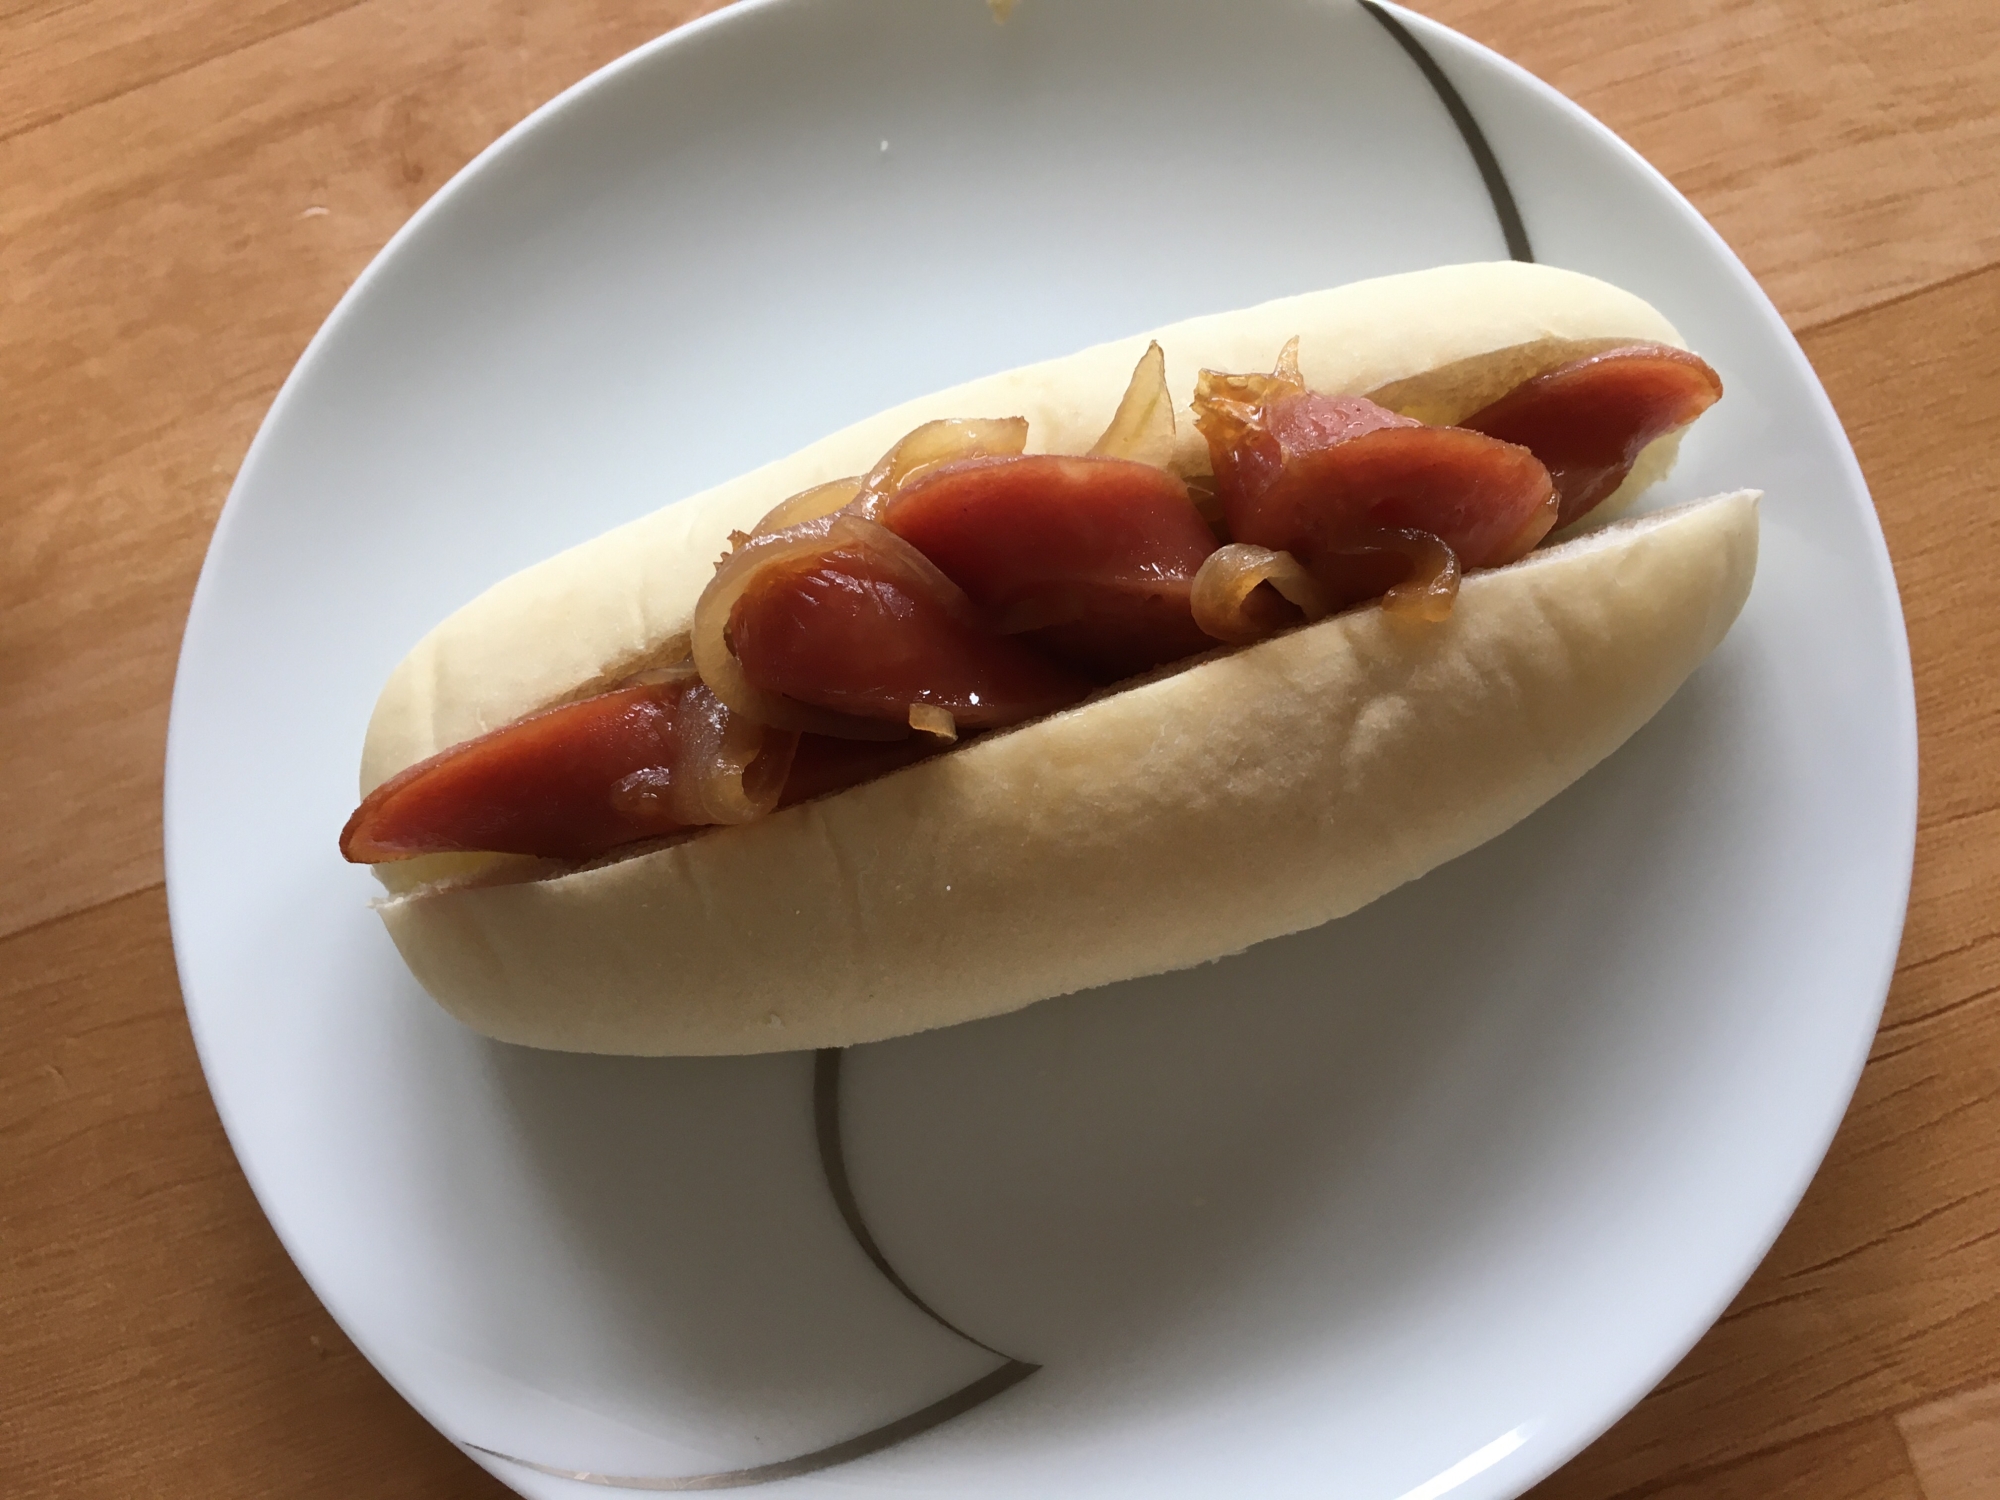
<point x="1249" y="796"/>
<point x="1260" y="791"/>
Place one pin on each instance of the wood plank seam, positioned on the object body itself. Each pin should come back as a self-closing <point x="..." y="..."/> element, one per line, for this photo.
<point x="1695" y="1473"/>
<point x="75" y="912"/>
<point x="1912" y="965"/>
<point x="1890" y="1028"/>
<point x="97" y="903"/>
<point x="1944" y="1475"/>
<point x="1908" y="294"/>
<point x="1963" y="814"/>
<point x="1949" y="1393"/>
<point x="1978" y="1239"/>
<point x="44" y="121"/>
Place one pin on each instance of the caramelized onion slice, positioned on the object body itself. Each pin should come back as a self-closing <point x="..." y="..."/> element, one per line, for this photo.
<point x="717" y="663"/>
<point x="942" y="442"/>
<point x="931" y="719"/>
<point x="1225" y="588"/>
<point x="670" y="664"/>
<point x="1227" y="407"/>
<point x="1142" y="429"/>
<point x="1286" y="370"/>
<point x="923" y="448"/>
<point x="725" y="769"/>
<point x="680" y="674"/>
<point x="808" y="505"/>
<point x="1431" y="588"/>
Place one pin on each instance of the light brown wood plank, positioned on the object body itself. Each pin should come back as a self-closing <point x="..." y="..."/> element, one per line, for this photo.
<point x="63" y="56"/>
<point x="158" y="1340"/>
<point x="1954" y="1445"/>
<point x="160" y="281"/>
<point x="1884" y="1291"/>
<point x="1848" y="150"/>
<point x="1864" y="1461"/>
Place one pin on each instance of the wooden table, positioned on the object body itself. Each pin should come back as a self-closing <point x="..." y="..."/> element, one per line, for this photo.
<point x="185" y="188"/>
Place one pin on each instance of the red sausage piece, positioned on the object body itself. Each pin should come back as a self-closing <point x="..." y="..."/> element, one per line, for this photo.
<point x="854" y="629"/>
<point x="1588" y="420"/>
<point x="1320" y="476"/>
<point x="825" y="765"/>
<point x="542" y="786"/>
<point x="1089" y="559"/>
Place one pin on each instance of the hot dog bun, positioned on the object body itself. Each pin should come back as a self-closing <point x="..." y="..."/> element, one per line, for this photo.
<point x="1253" y="793"/>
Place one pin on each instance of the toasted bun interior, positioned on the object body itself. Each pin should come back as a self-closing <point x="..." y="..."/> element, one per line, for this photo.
<point x="1261" y="792"/>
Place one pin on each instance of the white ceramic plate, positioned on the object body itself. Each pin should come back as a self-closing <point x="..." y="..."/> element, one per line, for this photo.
<point x="1415" y="1204"/>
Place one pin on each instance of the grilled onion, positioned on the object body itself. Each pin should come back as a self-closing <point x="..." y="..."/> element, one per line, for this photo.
<point x="1228" y="580"/>
<point x="1226" y="406"/>
<point x="717" y="663"/>
<point x="931" y="719"/>
<point x="1142" y="429"/>
<point x="725" y="769"/>
<point x="808" y="505"/>
<point x="1431" y="588"/>
<point x="945" y="441"/>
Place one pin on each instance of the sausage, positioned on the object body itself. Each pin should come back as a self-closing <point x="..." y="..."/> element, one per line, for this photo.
<point x="547" y="785"/>
<point x="1324" y="478"/>
<point x="1588" y="420"/>
<point x="1089" y="559"/>
<point x="863" y="629"/>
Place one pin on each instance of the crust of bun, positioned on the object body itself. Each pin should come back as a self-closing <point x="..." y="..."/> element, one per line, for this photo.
<point x="596" y="613"/>
<point x="1262" y="791"/>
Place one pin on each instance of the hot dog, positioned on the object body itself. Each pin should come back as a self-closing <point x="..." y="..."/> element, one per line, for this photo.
<point x="990" y="698"/>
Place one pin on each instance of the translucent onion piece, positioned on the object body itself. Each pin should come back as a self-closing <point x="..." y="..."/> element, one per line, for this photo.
<point x="1231" y="574"/>
<point x="872" y="625"/>
<point x="929" y="718"/>
<point x="1287" y="367"/>
<point x="726" y="769"/>
<point x="724" y="674"/>
<point x="808" y="505"/>
<point x="733" y="768"/>
<point x="1446" y="395"/>
<point x="677" y="675"/>
<point x="717" y="664"/>
<point x="1228" y="406"/>
<point x="1142" y="429"/>
<point x="942" y="442"/>
<point x="1431" y="588"/>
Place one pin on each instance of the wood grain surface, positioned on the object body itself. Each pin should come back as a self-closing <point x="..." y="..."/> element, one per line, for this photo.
<point x="186" y="186"/>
